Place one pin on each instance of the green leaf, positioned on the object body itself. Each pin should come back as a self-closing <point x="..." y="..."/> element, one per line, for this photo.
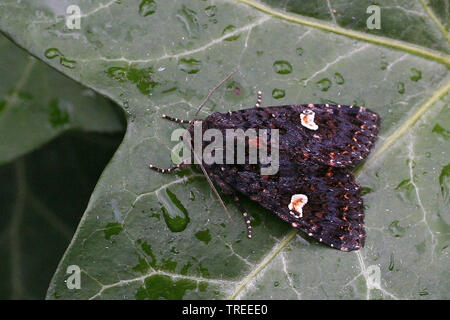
<point x="166" y="62"/>
<point x="36" y="226"/>
<point x="37" y="104"/>
<point x="412" y="21"/>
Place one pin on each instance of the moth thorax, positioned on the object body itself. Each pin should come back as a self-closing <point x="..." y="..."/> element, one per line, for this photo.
<point x="307" y="118"/>
<point x="296" y="205"/>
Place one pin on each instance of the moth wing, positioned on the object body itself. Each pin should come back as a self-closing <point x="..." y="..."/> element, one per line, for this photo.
<point x="343" y="135"/>
<point x="333" y="213"/>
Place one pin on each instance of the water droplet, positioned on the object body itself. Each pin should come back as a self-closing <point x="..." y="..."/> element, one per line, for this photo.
<point x="416" y="74"/>
<point x="299" y="51"/>
<point x="282" y="67"/>
<point x="155" y="215"/>
<point x="278" y="93"/>
<point x="52" y="53"/>
<point x="67" y="63"/>
<point x="401" y="87"/>
<point x="190" y="66"/>
<point x="444" y="179"/>
<point x="203" y="236"/>
<point x="324" y="84"/>
<point x="230" y="29"/>
<point x="210" y="11"/>
<point x="441" y="131"/>
<point x="174" y="213"/>
<point x="424" y="292"/>
<point x="147" y="7"/>
<point x="190" y="22"/>
<point x="396" y="230"/>
<point x="276" y="283"/>
<point x="191" y="196"/>
<point x="338" y="78"/>
<point x="391" y="262"/>
<point x="112" y="229"/>
<point x="117" y="73"/>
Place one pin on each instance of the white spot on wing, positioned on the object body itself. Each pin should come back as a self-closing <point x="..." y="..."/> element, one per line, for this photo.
<point x="307" y="117"/>
<point x="296" y="205"/>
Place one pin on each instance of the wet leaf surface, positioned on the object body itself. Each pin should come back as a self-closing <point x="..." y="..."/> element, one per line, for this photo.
<point x="148" y="236"/>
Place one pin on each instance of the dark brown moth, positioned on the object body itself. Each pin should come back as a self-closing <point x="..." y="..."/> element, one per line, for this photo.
<point x="314" y="190"/>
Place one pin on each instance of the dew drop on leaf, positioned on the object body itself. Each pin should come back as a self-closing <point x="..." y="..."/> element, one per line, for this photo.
<point x="174" y="213"/>
<point x="190" y="66"/>
<point x="391" y="262"/>
<point x="324" y="84"/>
<point x="282" y="67"/>
<point x="228" y="29"/>
<point x="338" y="78"/>
<point x="210" y="11"/>
<point x="278" y="93"/>
<point x="401" y="87"/>
<point x="416" y="74"/>
<point x="67" y="63"/>
<point x="117" y="73"/>
<point x="147" y="7"/>
<point x="112" y="229"/>
<point x="52" y="53"/>
<point x="395" y="229"/>
<point x="189" y="20"/>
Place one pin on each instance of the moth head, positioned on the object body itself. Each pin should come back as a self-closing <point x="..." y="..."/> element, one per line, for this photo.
<point x="297" y="203"/>
<point x="307" y="118"/>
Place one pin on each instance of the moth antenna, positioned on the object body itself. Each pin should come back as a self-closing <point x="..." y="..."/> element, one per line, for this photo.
<point x="245" y="215"/>
<point x="168" y="170"/>
<point x="213" y="187"/>
<point x="176" y="119"/>
<point x="258" y="100"/>
<point x="212" y="91"/>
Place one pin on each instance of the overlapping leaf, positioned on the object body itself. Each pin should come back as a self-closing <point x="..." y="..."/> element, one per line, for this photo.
<point x="37" y="104"/>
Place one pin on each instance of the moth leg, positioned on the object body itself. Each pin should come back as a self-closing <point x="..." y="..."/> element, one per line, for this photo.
<point x="258" y="100"/>
<point x="176" y="119"/>
<point x="168" y="170"/>
<point x="245" y="215"/>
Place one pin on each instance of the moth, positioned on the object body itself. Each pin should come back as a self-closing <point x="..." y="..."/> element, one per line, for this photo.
<point x="314" y="189"/>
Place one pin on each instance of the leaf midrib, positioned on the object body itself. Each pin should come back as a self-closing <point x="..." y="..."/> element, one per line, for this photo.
<point x="387" y="42"/>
